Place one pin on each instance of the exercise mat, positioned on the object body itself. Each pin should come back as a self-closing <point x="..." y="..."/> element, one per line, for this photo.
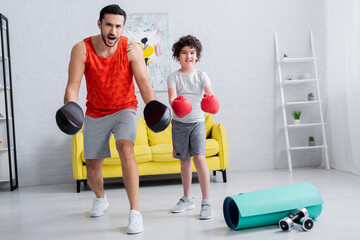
<point x="269" y="206"/>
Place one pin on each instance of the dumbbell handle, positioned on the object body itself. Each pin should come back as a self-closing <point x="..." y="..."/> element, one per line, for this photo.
<point x="296" y="217"/>
<point x="298" y="214"/>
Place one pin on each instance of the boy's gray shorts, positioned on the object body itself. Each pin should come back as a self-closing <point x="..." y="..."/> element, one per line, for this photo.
<point x="189" y="139"/>
<point x="97" y="132"/>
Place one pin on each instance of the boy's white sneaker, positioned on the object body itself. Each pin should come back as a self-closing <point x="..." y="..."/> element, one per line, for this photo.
<point x="136" y="224"/>
<point x="206" y="209"/>
<point x="99" y="205"/>
<point x="185" y="203"/>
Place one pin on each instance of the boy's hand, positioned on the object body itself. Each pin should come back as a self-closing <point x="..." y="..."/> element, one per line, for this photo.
<point x="181" y="106"/>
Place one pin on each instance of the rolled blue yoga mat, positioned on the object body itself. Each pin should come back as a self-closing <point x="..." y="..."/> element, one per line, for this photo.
<point x="269" y="206"/>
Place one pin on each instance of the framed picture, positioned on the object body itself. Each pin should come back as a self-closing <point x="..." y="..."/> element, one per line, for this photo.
<point x="151" y="32"/>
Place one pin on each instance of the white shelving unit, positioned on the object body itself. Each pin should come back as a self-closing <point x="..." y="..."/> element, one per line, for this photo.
<point x="314" y="79"/>
<point x="8" y="162"/>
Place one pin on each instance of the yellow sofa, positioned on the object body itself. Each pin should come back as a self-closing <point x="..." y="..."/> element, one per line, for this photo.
<point x="154" y="153"/>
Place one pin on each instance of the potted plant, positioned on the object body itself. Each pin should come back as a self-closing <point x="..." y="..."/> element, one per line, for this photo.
<point x="311" y="141"/>
<point x="296" y="115"/>
<point x="310" y="97"/>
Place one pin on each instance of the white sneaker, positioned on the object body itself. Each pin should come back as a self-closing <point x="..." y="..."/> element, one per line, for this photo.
<point x="99" y="205"/>
<point x="136" y="224"/>
<point x="185" y="203"/>
<point x="206" y="209"/>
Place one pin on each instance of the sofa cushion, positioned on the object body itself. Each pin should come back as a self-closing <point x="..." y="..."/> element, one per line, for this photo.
<point x="212" y="147"/>
<point x="208" y="124"/>
<point x="111" y="161"/>
<point x="141" y="134"/>
<point x="142" y="154"/>
<point x="112" y="143"/>
<point x="162" y="153"/>
<point x="163" y="137"/>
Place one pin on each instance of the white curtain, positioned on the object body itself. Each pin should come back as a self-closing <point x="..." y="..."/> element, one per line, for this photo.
<point x="343" y="84"/>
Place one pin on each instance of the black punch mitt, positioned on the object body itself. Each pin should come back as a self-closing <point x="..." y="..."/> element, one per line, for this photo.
<point x="70" y="118"/>
<point x="157" y="116"/>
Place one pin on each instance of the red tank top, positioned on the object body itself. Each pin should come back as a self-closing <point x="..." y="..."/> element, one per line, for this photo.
<point x="109" y="81"/>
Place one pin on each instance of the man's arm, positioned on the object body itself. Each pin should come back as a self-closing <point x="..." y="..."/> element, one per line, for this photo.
<point x="76" y="71"/>
<point x="137" y="64"/>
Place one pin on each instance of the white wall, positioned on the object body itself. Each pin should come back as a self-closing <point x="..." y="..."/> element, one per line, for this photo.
<point x="238" y="41"/>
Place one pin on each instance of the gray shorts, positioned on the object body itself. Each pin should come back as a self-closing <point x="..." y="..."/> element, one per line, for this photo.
<point x="97" y="132"/>
<point x="189" y="139"/>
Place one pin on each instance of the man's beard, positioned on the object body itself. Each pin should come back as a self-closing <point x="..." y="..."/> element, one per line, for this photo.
<point x="104" y="39"/>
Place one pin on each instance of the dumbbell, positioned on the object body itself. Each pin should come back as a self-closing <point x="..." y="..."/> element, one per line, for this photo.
<point x="300" y="216"/>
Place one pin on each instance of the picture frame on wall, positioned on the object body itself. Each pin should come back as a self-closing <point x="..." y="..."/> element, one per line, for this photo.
<point x="151" y="32"/>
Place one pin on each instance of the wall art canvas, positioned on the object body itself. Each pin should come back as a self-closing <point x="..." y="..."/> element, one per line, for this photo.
<point x="151" y="32"/>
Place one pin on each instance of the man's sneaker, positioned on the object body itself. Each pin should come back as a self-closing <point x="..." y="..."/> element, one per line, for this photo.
<point x="99" y="205"/>
<point x="185" y="203"/>
<point x="136" y="224"/>
<point x="206" y="210"/>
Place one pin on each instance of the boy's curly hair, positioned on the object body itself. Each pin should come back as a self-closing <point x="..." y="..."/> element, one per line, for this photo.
<point x="187" y="41"/>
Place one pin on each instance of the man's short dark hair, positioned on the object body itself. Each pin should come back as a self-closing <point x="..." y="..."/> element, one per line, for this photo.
<point x="187" y="41"/>
<point x="112" y="9"/>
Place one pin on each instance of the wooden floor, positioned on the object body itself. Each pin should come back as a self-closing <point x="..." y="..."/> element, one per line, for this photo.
<point x="58" y="212"/>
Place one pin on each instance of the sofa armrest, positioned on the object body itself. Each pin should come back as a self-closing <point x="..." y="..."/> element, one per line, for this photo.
<point x="218" y="133"/>
<point x="77" y="149"/>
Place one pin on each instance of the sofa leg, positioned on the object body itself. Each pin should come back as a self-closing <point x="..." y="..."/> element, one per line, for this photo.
<point x="214" y="173"/>
<point x="224" y="175"/>
<point x="85" y="184"/>
<point x="78" y="182"/>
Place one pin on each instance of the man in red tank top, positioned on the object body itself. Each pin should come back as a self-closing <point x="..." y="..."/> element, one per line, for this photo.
<point x="109" y="61"/>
